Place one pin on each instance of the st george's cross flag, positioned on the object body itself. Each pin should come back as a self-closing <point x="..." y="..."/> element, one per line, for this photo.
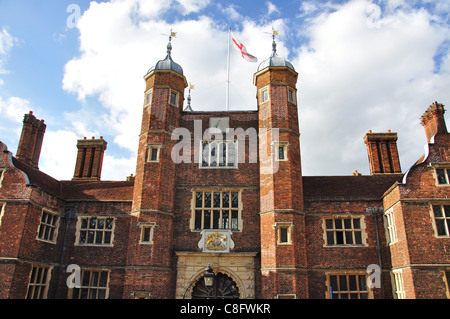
<point x="242" y="50"/>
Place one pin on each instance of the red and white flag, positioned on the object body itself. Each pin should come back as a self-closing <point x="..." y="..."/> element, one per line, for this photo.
<point x="242" y="50"/>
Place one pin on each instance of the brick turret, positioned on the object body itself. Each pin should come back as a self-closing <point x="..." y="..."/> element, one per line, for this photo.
<point x="281" y="190"/>
<point x="153" y="204"/>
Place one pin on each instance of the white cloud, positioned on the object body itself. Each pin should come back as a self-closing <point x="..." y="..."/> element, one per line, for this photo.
<point x="116" y="53"/>
<point x="271" y="8"/>
<point x="59" y="154"/>
<point x="7" y="41"/>
<point x="14" y="108"/>
<point x="363" y="67"/>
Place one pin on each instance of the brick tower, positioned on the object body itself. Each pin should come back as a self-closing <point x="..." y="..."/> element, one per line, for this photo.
<point x="149" y="262"/>
<point x="283" y="254"/>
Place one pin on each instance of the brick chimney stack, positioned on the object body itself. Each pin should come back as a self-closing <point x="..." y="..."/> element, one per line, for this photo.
<point x="90" y="159"/>
<point x="30" y="144"/>
<point x="433" y="120"/>
<point x="383" y="153"/>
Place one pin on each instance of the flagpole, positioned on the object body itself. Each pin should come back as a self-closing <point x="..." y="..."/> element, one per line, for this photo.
<point x="228" y="73"/>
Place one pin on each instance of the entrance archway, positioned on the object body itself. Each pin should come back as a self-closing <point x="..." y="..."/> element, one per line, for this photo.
<point x="223" y="288"/>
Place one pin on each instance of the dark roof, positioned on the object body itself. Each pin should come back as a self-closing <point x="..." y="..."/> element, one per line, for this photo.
<point x="370" y="187"/>
<point x="77" y="190"/>
<point x="98" y="190"/>
<point x="39" y="178"/>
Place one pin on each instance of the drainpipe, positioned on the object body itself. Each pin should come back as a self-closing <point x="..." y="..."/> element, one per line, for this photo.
<point x="66" y="215"/>
<point x="374" y="211"/>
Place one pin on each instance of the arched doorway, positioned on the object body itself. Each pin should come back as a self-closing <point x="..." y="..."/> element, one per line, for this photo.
<point x="223" y="288"/>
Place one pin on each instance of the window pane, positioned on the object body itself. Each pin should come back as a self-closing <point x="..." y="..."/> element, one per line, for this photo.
<point x="333" y="283"/>
<point x="101" y="224"/>
<point x="84" y="223"/>
<point x="348" y="223"/>
<point x="214" y="151"/>
<point x="198" y="199"/>
<point x="103" y="279"/>
<point x="91" y="235"/>
<point x="441" y="176"/>
<point x="216" y="200"/>
<point x="85" y="280"/>
<point x="82" y="237"/>
<point x="216" y="219"/>
<point x="447" y="211"/>
<point x="362" y="283"/>
<point x="107" y="239"/>
<point x="231" y="154"/>
<point x="173" y="98"/>
<point x="330" y="238"/>
<point x="329" y="223"/>
<point x="349" y="238"/>
<point x="226" y="200"/>
<point x="356" y="224"/>
<point x="223" y="155"/>
<point x="283" y="235"/>
<point x="440" y="227"/>
<point x="343" y="283"/>
<point x="352" y="283"/>
<point x="205" y="155"/>
<point x="235" y="200"/>
<point x="225" y="219"/>
<point x="234" y="220"/>
<point x="92" y="223"/>
<point x="94" y="279"/>
<point x="207" y="219"/>
<point x="358" y="238"/>
<point x="154" y="154"/>
<point x="437" y="211"/>
<point x="339" y="238"/>
<point x="207" y="199"/>
<point x="198" y="219"/>
<point x="146" y="237"/>
<point x="281" y="152"/>
<point x="338" y="223"/>
<point x="109" y="223"/>
<point x="101" y="294"/>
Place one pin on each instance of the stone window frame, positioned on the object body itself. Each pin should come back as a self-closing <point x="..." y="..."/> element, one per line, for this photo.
<point x="38" y="281"/>
<point x="89" y="217"/>
<point x="154" y="146"/>
<point x="144" y="226"/>
<point x="445" y="167"/>
<point x="398" y="284"/>
<point x="44" y="226"/>
<point x="348" y="291"/>
<point x="293" y="94"/>
<point x="446" y="279"/>
<point x="281" y="144"/>
<point x="195" y="209"/>
<point x="390" y="227"/>
<point x="177" y="97"/>
<point x="148" y="97"/>
<point x="262" y="96"/>
<point x="444" y="217"/>
<point x="2" y="175"/>
<point x="288" y="226"/>
<point x="2" y="211"/>
<point x="90" y="287"/>
<point x="333" y="217"/>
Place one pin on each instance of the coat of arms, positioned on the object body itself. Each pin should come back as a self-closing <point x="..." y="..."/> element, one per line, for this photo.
<point x="216" y="241"/>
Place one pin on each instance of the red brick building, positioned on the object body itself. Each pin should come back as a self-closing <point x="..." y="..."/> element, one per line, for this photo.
<point x="225" y="189"/>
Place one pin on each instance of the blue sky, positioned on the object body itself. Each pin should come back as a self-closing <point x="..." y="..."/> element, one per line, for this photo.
<point x="363" y="65"/>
